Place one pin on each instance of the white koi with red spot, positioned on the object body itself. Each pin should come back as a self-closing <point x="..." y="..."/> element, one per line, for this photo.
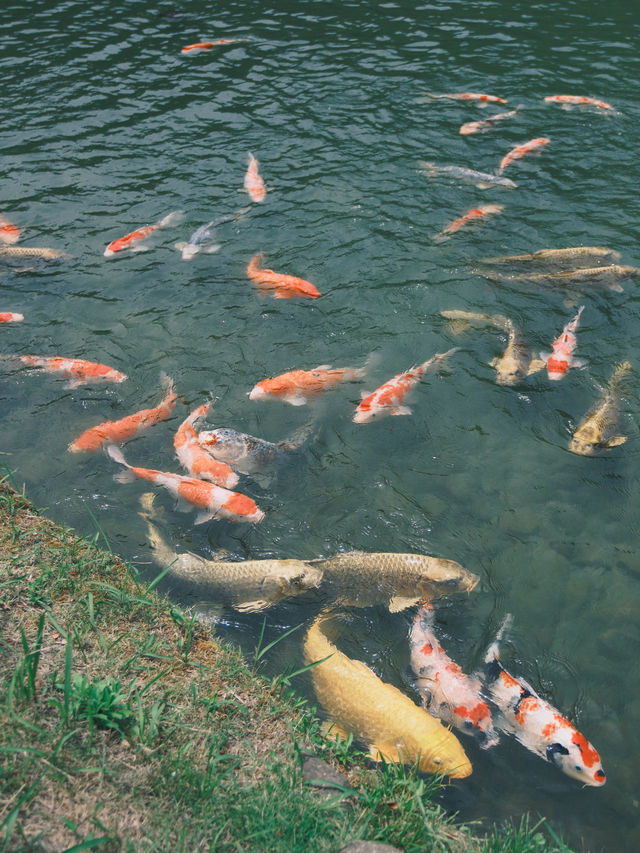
<point x="561" y="358"/>
<point x="253" y="182"/>
<point x="537" y="725"/>
<point x="195" y="459"/>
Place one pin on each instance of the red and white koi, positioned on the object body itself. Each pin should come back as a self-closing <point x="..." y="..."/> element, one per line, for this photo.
<point x="9" y="233"/>
<point x="117" y="432"/>
<point x="253" y="182"/>
<point x="212" y="501"/>
<point x="283" y="286"/>
<point x="469" y="216"/>
<point x="297" y="386"/>
<point x="521" y="150"/>
<point x="561" y="358"/>
<point x="578" y="100"/>
<point x="470" y="127"/>
<point x="131" y="241"/>
<point x="480" y="98"/>
<point x="387" y="399"/>
<point x="78" y="371"/>
<point x="202" y="46"/>
<point x="447" y="692"/>
<point x="195" y="459"/>
<point x="11" y="317"/>
<point x="537" y="725"/>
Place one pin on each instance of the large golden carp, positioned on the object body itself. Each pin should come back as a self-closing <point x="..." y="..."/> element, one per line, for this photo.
<point x="574" y="258"/>
<point x="363" y="579"/>
<point x="597" y="428"/>
<point x="378" y="714"/>
<point x="27" y="252"/>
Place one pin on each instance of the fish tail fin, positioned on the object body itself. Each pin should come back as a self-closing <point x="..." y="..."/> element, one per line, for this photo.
<point x="166" y="383"/>
<point x="618" y="374"/>
<point x="146" y="503"/>
<point x="493" y="652"/>
<point x="173" y="218"/>
<point x="298" y="438"/>
<point x="117" y="455"/>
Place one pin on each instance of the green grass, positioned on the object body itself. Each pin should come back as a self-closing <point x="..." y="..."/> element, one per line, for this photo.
<point x="125" y="726"/>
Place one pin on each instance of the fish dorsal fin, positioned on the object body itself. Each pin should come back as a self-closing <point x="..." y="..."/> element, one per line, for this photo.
<point x="202" y="517"/>
<point x="323" y="367"/>
<point x="616" y="440"/>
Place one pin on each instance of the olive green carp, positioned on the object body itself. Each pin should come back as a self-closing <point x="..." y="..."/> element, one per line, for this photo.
<point x="597" y="429"/>
<point x="377" y="714"/>
<point x="605" y="276"/>
<point x="32" y="252"/>
<point x="361" y="579"/>
<point x="574" y="258"/>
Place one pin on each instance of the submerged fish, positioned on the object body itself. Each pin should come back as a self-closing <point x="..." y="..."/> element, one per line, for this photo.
<point x="580" y="100"/>
<point x="537" y="725"/>
<point x="283" y="286"/>
<point x="201" y="46"/>
<point x="195" y="459"/>
<point x="483" y="180"/>
<point x="377" y="714"/>
<point x="516" y="361"/>
<point x="362" y="579"/>
<point x="246" y="453"/>
<point x="11" y="317"/>
<point x="450" y="694"/>
<point x="388" y="398"/>
<point x="482" y="126"/>
<point x="203" y="238"/>
<point x="117" y="432"/>
<point x="9" y="233"/>
<point x="297" y="386"/>
<point x="576" y="257"/>
<point x="597" y="429"/>
<point x="561" y="358"/>
<point x="132" y="240"/>
<point x="609" y="276"/>
<point x="521" y="150"/>
<point x="480" y="97"/>
<point x="253" y="182"/>
<point x="77" y="370"/>
<point x="469" y="216"/>
<point x="248" y="585"/>
<point x="32" y="252"/>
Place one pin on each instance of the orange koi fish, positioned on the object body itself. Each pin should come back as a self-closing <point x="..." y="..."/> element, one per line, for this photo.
<point x="469" y="216"/>
<point x="253" y="183"/>
<point x="539" y="726"/>
<point x="117" y="432"/>
<point x="201" y="46"/>
<point x="195" y="459"/>
<point x="482" y="126"/>
<point x="9" y="233"/>
<point x="297" y="386"/>
<point x="212" y="501"/>
<point x="561" y="358"/>
<point x="387" y="399"/>
<point x="449" y="694"/>
<point x="481" y="99"/>
<point x="580" y="100"/>
<point x="520" y="151"/>
<point x="284" y="286"/>
<point x="130" y="241"/>
<point x="11" y="317"/>
<point x="78" y="371"/>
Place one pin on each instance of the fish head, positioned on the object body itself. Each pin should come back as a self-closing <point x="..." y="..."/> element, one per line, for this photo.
<point x="440" y="755"/>
<point x="292" y="578"/>
<point x="444" y="576"/>
<point x="257" y="392"/>
<point x="368" y="411"/>
<point x="585" y="440"/>
<point x="581" y="446"/>
<point x="574" y="755"/>
<point x="509" y="369"/>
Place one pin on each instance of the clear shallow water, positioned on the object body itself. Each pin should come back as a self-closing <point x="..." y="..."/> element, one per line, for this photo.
<point x="107" y="127"/>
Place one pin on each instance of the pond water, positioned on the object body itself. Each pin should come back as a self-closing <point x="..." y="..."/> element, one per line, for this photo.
<point x="107" y="127"/>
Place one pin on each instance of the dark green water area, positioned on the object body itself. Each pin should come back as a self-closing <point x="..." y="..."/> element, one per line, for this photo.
<point x="106" y="127"/>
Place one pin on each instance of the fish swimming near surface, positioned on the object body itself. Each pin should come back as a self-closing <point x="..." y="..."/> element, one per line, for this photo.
<point x="470" y="127"/>
<point x="561" y="358"/>
<point x="607" y="276"/>
<point x="212" y="501"/>
<point x="298" y="386"/>
<point x="537" y="725"/>
<point x="521" y="150"/>
<point x="248" y="585"/>
<point x="11" y="317"/>
<point x="388" y="398"/>
<point x="471" y="215"/>
<point x="516" y="362"/>
<point x="480" y="98"/>
<point x="194" y="459"/>
<point x="578" y="100"/>
<point x="597" y="429"/>
<point x="363" y="579"/>
<point x="246" y="453"/>
<point x="9" y="233"/>
<point x="483" y="180"/>
<point x="377" y="714"/>
<point x="202" y="46"/>
<point x="203" y="238"/>
<point x="32" y="253"/>
<point x="253" y="182"/>
<point x="574" y="257"/>
<point x="447" y="692"/>
<point x="132" y="241"/>
<point x="117" y="432"/>
<point x="78" y="371"/>
<point x="283" y="286"/>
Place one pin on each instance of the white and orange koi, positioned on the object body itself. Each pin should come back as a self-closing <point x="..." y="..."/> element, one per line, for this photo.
<point x="253" y="182"/>
<point x="9" y="233"/>
<point x="387" y="399"/>
<point x="283" y="286"/>
<point x="480" y="98"/>
<point x="11" y="317"/>
<point x="78" y="371"/>
<point x="131" y="241"/>
<point x="195" y="459"/>
<point x="212" y="501"/>
<point x="561" y="358"/>
<point x="297" y="386"/>
<point x="447" y="692"/>
<point x="469" y="216"/>
<point x="521" y="150"/>
<point x="470" y="127"/>
<point x="202" y="46"/>
<point x="117" y="432"/>
<point x="537" y="725"/>
<point x="579" y="100"/>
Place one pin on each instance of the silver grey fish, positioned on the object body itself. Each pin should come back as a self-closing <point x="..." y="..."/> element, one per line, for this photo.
<point x="577" y="257"/>
<point x="203" y="238"/>
<point x="483" y="180"/>
<point x="597" y="428"/>
<point x="246" y="453"/>
<point x="607" y="276"/>
<point x="24" y="252"/>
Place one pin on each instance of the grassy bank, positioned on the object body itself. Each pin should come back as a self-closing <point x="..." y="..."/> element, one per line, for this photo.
<point x="125" y="725"/>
